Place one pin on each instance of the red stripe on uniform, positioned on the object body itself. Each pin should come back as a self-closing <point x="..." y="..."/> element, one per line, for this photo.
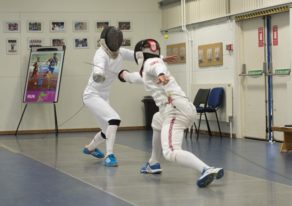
<point x="170" y="134"/>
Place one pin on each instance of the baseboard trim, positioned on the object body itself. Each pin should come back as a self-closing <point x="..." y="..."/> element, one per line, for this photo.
<point x="48" y="131"/>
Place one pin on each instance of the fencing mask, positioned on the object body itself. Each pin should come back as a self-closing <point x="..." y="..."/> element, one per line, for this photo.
<point x="113" y="38"/>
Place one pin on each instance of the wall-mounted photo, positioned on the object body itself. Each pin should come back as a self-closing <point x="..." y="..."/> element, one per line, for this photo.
<point x="80" y="26"/>
<point x="126" y="42"/>
<point x="210" y="55"/>
<point x="101" y="24"/>
<point x="12" y="26"/>
<point x="58" y="42"/>
<point x="34" y="26"/>
<point x="178" y="50"/>
<point x="57" y="26"/>
<point x="124" y="25"/>
<point x="35" y="42"/>
<point x="12" y="46"/>
<point x="81" y="43"/>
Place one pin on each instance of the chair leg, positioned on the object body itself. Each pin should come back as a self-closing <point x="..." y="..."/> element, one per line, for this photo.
<point x="208" y="125"/>
<point x="198" y="130"/>
<point x="218" y="124"/>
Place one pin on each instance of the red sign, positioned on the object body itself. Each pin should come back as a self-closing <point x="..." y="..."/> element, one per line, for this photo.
<point x="261" y="36"/>
<point x="275" y="35"/>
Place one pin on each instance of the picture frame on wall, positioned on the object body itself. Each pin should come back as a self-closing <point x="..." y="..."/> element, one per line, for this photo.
<point x="35" y="42"/>
<point x="11" y="26"/>
<point x="58" y="42"/>
<point x="57" y="26"/>
<point x="178" y="50"/>
<point x="127" y="42"/>
<point x="101" y="24"/>
<point x="210" y="55"/>
<point x="125" y="25"/>
<point x="80" y="26"/>
<point x="34" y="26"/>
<point x="81" y="43"/>
<point x="12" y="46"/>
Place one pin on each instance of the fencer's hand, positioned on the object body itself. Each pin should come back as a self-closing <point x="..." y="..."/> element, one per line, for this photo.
<point x="170" y="59"/>
<point x="162" y="79"/>
<point x="98" y="78"/>
<point x="122" y="74"/>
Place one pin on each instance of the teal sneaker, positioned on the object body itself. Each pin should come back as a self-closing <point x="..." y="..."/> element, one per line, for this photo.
<point x="95" y="153"/>
<point x="111" y="161"/>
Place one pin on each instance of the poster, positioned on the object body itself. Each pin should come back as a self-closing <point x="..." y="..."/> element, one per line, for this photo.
<point x="44" y="75"/>
<point x="210" y="55"/>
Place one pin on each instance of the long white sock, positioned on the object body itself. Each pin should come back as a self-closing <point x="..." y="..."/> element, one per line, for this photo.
<point x="188" y="159"/>
<point x="98" y="139"/>
<point x="156" y="147"/>
<point x="110" y="138"/>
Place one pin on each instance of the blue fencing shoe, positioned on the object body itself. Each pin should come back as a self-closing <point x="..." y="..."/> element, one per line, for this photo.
<point x="151" y="169"/>
<point x="208" y="176"/>
<point x="111" y="161"/>
<point x="96" y="153"/>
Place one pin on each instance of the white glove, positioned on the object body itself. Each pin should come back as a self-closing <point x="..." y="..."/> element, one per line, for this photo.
<point x="98" y="78"/>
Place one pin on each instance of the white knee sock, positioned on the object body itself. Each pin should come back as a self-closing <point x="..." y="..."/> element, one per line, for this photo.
<point x="98" y="139"/>
<point x="110" y="138"/>
<point x="186" y="159"/>
<point x="156" y="147"/>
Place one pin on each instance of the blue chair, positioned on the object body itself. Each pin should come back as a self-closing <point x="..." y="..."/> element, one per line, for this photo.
<point x="215" y="101"/>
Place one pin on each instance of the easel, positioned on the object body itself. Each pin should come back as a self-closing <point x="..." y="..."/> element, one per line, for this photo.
<point x="55" y="115"/>
<point x="36" y="52"/>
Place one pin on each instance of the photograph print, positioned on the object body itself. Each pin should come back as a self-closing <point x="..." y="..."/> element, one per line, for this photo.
<point x="43" y="76"/>
<point x="12" y="26"/>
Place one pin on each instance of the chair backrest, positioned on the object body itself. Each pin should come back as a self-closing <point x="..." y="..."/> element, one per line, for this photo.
<point x="201" y="97"/>
<point x="215" y="99"/>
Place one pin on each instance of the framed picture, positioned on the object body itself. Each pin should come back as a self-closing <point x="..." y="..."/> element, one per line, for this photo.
<point x="101" y="24"/>
<point x="126" y="42"/>
<point x="179" y="50"/>
<point x="12" y="46"/>
<point x="210" y="54"/>
<point x="34" y="26"/>
<point x="81" y="43"/>
<point x="12" y="26"/>
<point x="80" y="26"/>
<point x="57" y="26"/>
<point x="58" y="42"/>
<point x="124" y="25"/>
<point x="35" y="42"/>
<point x="44" y="75"/>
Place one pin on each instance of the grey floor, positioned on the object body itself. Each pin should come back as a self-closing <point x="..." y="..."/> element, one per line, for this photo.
<point x="50" y="170"/>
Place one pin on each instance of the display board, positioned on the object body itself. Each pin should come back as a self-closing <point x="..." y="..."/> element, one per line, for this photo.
<point x="44" y="74"/>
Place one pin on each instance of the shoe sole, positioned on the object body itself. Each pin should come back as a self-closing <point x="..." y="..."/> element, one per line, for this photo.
<point x="206" y="180"/>
<point x="151" y="172"/>
<point x="219" y="174"/>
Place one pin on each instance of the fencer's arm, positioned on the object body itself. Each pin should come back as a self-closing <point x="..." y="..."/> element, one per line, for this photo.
<point x="130" y="77"/>
<point x="169" y="59"/>
<point x="98" y="74"/>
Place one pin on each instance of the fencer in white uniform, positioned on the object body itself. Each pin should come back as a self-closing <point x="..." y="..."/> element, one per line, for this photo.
<point x="107" y="63"/>
<point x="176" y="113"/>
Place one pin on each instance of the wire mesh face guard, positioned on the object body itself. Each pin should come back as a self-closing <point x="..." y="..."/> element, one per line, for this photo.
<point x="113" y="38"/>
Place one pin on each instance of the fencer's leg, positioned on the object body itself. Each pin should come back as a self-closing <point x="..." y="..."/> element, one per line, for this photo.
<point x="111" y="131"/>
<point x="92" y="149"/>
<point x="156" y="147"/>
<point x="98" y="139"/>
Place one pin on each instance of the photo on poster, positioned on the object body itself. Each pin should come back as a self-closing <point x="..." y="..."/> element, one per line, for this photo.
<point x="101" y="24"/>
<point x="58" y="42"/>
<point x="12" y="46"/>
<point x="35" y="42"/>
<point x="80" y="26"/>
<point x="57" y="26"/>
<point x="81" y="43"/>
<point x="12" y="26"/>
<point x="34" y="26"/>
<point x="44" y="75"/>
<point x="124" y="25"/>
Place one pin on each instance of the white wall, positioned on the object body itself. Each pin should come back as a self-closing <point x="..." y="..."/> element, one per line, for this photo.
<point x="145" y="18"/>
